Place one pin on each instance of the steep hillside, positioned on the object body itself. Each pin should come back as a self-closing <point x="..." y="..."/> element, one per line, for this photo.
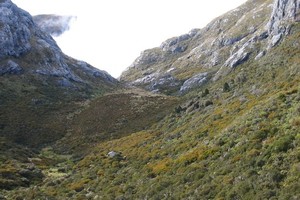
<point x="39" y="88"/>
<point x="39" y="84"/>
<point x="233" y="133"/>
<point x="191" y="60"/>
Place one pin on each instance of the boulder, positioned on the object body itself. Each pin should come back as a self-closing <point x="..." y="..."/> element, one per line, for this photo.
<point x="260" y="55"/>
<point x="238" y="58"/>
<point x="112" y="154"/>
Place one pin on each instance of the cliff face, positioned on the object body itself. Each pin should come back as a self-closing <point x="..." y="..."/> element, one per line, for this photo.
<point x="243" y="34"/>
<point x="284" y="12"/>
<point x="15" y="30"/>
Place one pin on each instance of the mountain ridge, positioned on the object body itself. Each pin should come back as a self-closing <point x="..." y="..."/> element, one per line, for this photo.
<point x="209" y="47"/>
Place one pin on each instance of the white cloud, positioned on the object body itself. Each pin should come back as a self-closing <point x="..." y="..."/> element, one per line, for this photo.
<point x="110" y="34"/>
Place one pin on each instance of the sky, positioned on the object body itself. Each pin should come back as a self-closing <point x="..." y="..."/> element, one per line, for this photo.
<point x="111" y="34"/>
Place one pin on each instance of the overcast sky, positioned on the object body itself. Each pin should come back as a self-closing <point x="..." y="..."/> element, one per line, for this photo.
<point x="110" y="34"/>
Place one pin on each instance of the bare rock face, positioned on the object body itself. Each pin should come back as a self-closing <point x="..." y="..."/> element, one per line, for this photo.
<point x="15" y="34"/>
<point x="176" y="44"/>
<point x="11" y="68"/>
<point x="284" y="12"/>
<point x="157" y="82"/>
<point x="147" y="57"/>
<point x="193" y="82"/>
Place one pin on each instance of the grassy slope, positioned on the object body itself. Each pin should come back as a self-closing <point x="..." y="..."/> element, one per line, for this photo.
<point x="33" y="114"/>
<point x="37" y="116"/>
<point x="244" y="146"/>
<point x="114" y="115"/>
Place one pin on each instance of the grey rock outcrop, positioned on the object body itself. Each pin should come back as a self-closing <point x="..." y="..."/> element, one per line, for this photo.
<point x="195" y="81"/>
<point x="284" y="11"/>
<point x="15" y="34"/>
<point x="176" y="44"/>
<point x="238" y="58"/>
<point x="156" y="82"/>
<point x="92" y="71"/>
<point x="147" y="57"/>
<point x="55" y="25"/>
<point x="260" y="55"/>
<point x="10" y="68"/>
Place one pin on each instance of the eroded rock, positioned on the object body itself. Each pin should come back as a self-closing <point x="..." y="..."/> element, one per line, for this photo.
<point x="195" y="81"/>
<point x="10" y="68"/>
<point x="284" y="11"/>
<point x="15" y="31"/>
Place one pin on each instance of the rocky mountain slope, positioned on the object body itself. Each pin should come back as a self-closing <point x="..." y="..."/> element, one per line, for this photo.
<point x="40" y="87"/>
<point x="34" y="69"/>
<point x="191" y="60"/>
<point x="233" y="133"/>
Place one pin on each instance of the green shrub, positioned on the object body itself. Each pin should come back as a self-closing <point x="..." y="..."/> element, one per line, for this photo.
<point x="283" y="144"/>
<point x="226" y="87"/>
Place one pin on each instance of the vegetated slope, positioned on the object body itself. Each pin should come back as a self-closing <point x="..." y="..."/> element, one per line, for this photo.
<point x="112" y="116"/>
<point x="235" y="137"/>
<point x="39" y="88"/>
<point x="239" y="141"/>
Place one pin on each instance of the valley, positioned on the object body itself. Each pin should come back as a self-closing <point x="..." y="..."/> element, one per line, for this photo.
<point x="212" y="114"/>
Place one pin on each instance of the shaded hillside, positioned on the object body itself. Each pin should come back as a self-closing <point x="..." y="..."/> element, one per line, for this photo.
<point x="39" y="84"/>
<point x="112" y="116"/>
